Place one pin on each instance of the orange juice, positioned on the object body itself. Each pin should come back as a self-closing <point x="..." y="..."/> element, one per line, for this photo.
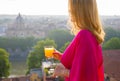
<point x="49" y="52"/>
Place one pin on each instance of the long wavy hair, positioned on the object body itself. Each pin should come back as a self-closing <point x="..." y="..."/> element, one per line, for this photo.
<point x="84" y="15"/>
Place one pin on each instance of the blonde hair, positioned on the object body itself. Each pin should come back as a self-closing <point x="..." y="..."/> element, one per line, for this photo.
<point x="84" y="15"/>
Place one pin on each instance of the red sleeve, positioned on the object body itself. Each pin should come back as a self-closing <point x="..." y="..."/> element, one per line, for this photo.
<point x="68" y="55"/>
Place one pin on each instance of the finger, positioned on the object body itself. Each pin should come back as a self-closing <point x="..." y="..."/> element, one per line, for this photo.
<point x="55" y="55"/>
<point x="55" y="52"/>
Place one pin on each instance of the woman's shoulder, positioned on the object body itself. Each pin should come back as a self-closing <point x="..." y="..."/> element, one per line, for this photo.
<point x="84" y="33"/>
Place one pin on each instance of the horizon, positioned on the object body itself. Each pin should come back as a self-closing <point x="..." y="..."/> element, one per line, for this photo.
<point x="46" y="15"/>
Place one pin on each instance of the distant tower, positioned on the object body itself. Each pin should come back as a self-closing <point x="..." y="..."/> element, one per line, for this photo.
<point x="16" y="28"/>
<point x="19" y="22"/>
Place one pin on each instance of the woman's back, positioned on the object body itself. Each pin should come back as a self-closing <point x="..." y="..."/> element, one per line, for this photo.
<point x="84" y="58"/>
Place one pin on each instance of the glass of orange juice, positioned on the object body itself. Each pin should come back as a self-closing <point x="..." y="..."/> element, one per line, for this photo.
<point x="49" y="51"/>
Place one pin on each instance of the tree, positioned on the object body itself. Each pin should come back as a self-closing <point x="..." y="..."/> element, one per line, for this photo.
<point x="113" y="43"/>
<point x="16" y="42"/>
<point x="36" y="56"/>
<point x="4" y="63"/>
<point x="64" y="47"/>
<point x="60" y="37"/>
<point x="110" y="33"/>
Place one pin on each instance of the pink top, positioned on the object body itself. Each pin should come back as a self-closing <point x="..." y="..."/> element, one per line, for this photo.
<point x="83" y="57"/>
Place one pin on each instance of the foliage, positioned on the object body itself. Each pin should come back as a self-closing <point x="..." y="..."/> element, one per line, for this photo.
<point x="113" y="43"/>
<point x="15" y="42"/>
<point x="64" y="47"/>
<point x="36" y="56"/>
<point x="18" y="47"/>
<point x="110" y="33"/>
<point x="60" y="37"/>
<point x="4" y="63"/>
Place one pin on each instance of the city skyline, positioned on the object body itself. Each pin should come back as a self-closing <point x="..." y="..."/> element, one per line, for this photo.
<point x="52" y="7"/>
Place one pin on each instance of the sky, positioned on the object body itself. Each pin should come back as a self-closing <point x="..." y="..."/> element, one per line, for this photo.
<point x="52" y="7"/>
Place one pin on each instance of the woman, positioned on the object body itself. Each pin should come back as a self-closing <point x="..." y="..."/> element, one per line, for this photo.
<point x="82" y="59"/>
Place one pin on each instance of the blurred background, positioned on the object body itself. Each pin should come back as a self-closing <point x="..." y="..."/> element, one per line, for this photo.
<point x="26" y="26"/>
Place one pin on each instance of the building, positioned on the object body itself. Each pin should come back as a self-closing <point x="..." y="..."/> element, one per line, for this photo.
<point x="16" y="29"/>
<point x="19" y="28"/>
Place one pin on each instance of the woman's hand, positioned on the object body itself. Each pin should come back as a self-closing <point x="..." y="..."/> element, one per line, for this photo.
<point x="60" y="70"/>
<point x="57" y="55"/>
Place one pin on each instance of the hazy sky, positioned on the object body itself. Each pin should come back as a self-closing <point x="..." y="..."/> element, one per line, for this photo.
<point x="52" y="7"/>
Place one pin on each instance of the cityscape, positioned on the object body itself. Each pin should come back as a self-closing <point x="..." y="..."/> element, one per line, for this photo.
<point x="36" y="26"/>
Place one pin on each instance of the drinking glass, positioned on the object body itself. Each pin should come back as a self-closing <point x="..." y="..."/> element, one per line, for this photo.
<point x="49" y="51"/>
